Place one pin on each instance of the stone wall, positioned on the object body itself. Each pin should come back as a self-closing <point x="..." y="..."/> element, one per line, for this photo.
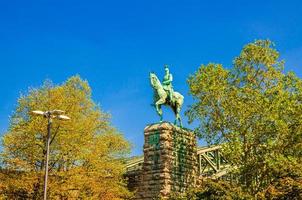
<point x="170" y="164"/>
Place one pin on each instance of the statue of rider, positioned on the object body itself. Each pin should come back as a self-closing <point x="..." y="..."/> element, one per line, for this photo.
<point x="167" y="83"/>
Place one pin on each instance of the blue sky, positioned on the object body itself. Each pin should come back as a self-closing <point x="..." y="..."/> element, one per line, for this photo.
<point x="115" y="44"/>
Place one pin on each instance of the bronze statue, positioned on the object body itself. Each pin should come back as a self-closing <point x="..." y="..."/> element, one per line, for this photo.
<point x="164" y="95"/>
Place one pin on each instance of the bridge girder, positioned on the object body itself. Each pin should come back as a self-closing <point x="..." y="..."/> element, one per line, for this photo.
<point x="211" y="163"/>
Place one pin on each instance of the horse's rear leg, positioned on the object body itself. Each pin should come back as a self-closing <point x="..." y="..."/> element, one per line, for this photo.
<point x="178" y="116"/>
<point x="176" y="111"/>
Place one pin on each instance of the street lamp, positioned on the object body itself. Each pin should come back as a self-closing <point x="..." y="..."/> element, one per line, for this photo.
<point x="58" y="114"/>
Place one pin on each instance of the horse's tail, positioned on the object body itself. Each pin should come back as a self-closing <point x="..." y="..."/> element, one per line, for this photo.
<point x="179" y="99"/>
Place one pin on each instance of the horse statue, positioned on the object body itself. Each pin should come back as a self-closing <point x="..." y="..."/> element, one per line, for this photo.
<point x="161" y="97"/>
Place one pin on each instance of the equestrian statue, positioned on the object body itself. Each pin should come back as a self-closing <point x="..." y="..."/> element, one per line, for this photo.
<point x="165" y="95"/>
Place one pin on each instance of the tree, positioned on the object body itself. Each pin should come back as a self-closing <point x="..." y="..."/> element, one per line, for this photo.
<point x="284" y="189"/>
<point x="86" y="152"/>
<point x="210" y="189"/>
<point x="255" y="110"/>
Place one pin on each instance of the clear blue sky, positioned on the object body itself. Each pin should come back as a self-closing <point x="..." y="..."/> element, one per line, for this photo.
<point x="114" y="45"/>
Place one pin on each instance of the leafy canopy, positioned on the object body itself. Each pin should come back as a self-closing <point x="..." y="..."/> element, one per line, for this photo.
<point x="255" y="110"/>
<point x="86" y="152"/>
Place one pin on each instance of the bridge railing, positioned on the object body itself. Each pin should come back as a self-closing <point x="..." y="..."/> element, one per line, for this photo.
<point x="134" y="164"/>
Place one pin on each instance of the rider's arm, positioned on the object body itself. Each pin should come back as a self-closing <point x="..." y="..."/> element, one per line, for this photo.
<point x="169" y="80"/>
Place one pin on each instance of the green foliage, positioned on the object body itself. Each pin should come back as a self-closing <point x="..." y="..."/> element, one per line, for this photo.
<point x="214" y="190"/>
<point x="283" y="189"/>
<point x="86" y="152"/>
<point x="255" y="110"/>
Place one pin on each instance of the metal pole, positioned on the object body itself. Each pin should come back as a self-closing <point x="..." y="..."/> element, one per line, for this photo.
<point x="47" y="154"/>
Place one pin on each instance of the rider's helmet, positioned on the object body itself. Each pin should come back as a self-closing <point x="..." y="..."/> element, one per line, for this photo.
<point x="166" y="68"/>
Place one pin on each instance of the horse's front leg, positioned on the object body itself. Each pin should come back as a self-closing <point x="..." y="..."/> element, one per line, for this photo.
<point x="179" y="119"/>
<point x="160" y="113"/>
<point x="158" y="108"/>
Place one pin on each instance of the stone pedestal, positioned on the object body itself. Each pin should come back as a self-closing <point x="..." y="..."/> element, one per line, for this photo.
<point x="170" y="164"/>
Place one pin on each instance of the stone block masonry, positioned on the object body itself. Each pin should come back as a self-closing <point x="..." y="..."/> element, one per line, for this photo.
<point x="170" y="161"/>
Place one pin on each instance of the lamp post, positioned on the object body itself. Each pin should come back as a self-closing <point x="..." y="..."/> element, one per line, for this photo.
<point x="58" y="114"/>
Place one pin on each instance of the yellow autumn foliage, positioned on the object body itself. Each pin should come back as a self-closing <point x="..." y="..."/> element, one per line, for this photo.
<point x="86" y="152"/>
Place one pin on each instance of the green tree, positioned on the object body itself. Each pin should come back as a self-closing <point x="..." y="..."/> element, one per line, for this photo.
<point x="255" y="110"/>
<point x="86" y="152"/>
<point x="210" y="189"/>
<point x="286" y="188"/>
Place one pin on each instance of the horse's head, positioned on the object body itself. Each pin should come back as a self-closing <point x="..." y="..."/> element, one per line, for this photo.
<point x="154" y="80"/>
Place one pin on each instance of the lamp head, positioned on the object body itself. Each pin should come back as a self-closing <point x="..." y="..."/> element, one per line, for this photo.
<point x="38" y="112"/>
<point x="63" y="117"/>
<point x="57" y="112"/>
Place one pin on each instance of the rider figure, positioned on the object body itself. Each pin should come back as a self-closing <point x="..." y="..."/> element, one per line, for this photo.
<point x="167" y="83"/>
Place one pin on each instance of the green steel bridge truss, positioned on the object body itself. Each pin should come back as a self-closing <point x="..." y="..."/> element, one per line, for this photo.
<point x="211" y="163"/>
